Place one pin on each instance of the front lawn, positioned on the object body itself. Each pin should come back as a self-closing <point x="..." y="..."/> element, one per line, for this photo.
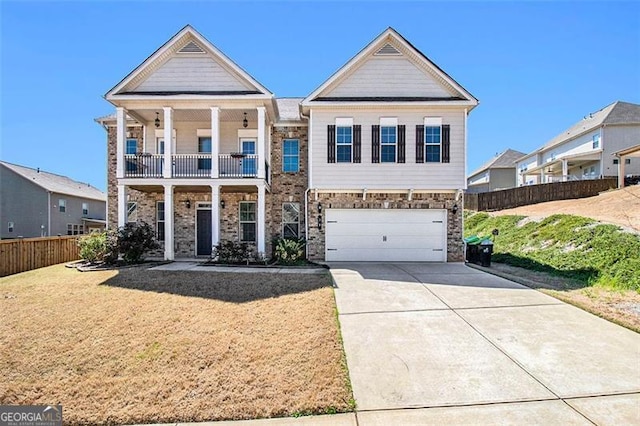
<point x="142" y="346"/>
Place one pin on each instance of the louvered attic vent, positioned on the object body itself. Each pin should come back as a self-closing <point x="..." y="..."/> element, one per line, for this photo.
<point x="191" y="47"/>
<point x="388" y="49"/>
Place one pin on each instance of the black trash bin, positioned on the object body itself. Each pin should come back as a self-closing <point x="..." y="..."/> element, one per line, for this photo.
<point x="485" y="251"/>
<point x="472" y="247"/>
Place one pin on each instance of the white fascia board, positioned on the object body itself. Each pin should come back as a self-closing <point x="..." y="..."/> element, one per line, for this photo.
<point x="114" y="98"/>
<point x="315" y="104"/>
<point x="347" y="190"/>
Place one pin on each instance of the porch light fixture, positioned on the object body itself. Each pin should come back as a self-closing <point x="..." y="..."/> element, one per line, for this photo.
<point x="222" y="203"/>
<point x="319" y="221"/>
<point x="319" y="208"/>
<point x="454" y="209"/>
<point x="187" y="203"/>
<point x="157" y="120"/>
<point x="245" y="122"/>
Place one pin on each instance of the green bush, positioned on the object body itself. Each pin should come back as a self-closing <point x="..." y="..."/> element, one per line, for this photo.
<point x="134" y="240"/>
<point x="233" y="252"/>
<point x="290" y="251"/>
<point x="99" y="247"/>
<point x="565" y="245"/>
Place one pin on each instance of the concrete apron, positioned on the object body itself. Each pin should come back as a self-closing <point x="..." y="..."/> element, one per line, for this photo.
<point x="447" y="344"/>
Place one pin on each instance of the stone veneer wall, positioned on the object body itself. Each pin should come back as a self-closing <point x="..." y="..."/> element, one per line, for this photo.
<point x="286" y="187"/>
<point x="316" y="241"/>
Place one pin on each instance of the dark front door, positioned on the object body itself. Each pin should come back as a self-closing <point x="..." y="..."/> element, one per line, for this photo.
<point x="204" y="232"/>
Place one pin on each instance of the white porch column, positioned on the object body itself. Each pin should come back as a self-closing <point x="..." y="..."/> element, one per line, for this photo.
<point x="215" y="215"/>
<point x="542" y="175"/>
<point x="621" y="160"/>
<point x="261" y="142"/>
<point x="261" y="219"/>
<point x="168" y="143"/>
<point x="168" y="219"/>
<point x="122" y="205"/>
<point x="215" y="141"/>
<point x="565" y="170"/>
<point x="121" y="137"/>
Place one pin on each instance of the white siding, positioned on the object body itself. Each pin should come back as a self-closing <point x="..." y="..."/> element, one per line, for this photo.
<point x="527" y="163"/>
<point x="579" y="145"/>
<point x="389" y="76"/>
<point x="187" y="137"/>
<point x="388" y="175"/>
<point x="192" y="73"/>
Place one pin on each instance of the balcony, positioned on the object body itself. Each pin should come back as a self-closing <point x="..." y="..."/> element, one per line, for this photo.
<point x="232" y="165"/>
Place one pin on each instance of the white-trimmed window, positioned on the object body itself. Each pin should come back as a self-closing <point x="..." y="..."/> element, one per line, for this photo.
<point x="10" y="227"/>
<point x="388" y="139"/>
<point x="291" y="220"/>
<point x="85" y="209"/>
<point x="432" y="139"/>
<point x="160" y="220"/>
<point x="291" y="155"/>
<point x="247" y="221"/>
<point x="74" y="229"/>
<point x="132" y="212"/>
<point x="132" y="146"/>
<point x="344" y="140"/>
<point x="595" y="144"/>
<point x="62" y="205"/>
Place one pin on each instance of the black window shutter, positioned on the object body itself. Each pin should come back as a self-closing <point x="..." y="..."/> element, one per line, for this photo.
<point x="375" y="143"/>
<point x="419" y="143"/>
<point x="401" y="143"/>
<point x="446" y="144"/>
<point x="357" y="143"/>
<point x="331" y="143"/>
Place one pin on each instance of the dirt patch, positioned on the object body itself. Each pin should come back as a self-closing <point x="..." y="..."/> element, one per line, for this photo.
<point x="619" y="306"/>
<point x="141" y="346"/>
<point x="619" y="207"/>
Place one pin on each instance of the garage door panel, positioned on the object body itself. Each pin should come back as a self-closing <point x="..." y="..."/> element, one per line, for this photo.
<point x="385" y="235"/>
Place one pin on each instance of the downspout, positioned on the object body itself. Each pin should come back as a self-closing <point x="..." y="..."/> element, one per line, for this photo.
<point x="48" y="213"/>
<point x="461" y="210"/>
<point x="306" y="193"/>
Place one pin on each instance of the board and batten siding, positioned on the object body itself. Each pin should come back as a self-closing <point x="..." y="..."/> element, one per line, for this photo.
<point x="200" y="73"/>
<point x="436" y="176"/>
<point x="384" y="76"/>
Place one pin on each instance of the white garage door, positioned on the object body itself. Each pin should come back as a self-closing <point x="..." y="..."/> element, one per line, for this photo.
<point x="385" y="235"/>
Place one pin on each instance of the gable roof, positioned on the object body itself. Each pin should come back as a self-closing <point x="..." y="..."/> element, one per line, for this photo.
<point x="57" y="183"/>
<point x="391" y="43"/>
<point x="504" y="160"/>
<point x="190" y="42"/>
<point x="616" y="113"/>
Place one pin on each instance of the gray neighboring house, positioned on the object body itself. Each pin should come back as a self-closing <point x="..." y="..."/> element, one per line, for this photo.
<point x="497" y="173"/>
<point x="34" y="203"/>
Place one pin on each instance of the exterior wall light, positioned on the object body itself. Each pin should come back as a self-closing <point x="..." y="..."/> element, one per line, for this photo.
<point x="454" y="209"/>
<point x="157" y="120"/>
<point x="245" y="122"/>
<point x="319" y="222"/>
<point x="222" y="203"/>
<point x="319" y="208"/>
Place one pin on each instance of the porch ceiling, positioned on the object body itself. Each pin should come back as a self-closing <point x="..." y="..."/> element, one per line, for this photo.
<point x="199" y="115"/>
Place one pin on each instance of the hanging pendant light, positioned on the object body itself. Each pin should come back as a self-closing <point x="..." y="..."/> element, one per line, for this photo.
<point x="245" y="122"/>
<point x="157" y="120"/>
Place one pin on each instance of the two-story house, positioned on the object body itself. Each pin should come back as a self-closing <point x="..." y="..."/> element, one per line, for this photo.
<point x="497" y="173"/>
<point x="586" y="149"/>
<point x="370" y="166"/>
<point x="35" y="203"/>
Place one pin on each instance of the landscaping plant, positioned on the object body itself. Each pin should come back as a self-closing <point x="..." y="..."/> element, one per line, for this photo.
<point x="233" y="252"/>
<point x="99" y="247"/>
<point x="134" y="239"/>
<point x="290" y="251"/>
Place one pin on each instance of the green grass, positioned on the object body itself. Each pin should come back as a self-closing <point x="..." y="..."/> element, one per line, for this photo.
<point x="565" y="245"/>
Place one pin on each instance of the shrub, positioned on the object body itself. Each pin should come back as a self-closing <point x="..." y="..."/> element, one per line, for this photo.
<point x="99" y="247"/>
<point x="289" y="251"/>
<point x="233" y="252"/>
<point x="134" y="239"/>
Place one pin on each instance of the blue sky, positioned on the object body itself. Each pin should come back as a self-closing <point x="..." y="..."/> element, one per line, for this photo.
<point x="536" y="67"/>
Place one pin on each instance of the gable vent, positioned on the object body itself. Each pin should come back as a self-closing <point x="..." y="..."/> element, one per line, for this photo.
<point x="388" y="50"/>
<point x="191" y="47"/>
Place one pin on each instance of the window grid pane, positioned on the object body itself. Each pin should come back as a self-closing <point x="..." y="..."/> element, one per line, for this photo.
<point x="160" y="221"/>
<point x="132" y="146"/>
<point x="247" y="221"/>
<point x="432" y="138"/>
<point x="290" y="220"/>
<point x="343" y="144"/>
<point x="290" y="156"/>
<point x="388" y="144"/>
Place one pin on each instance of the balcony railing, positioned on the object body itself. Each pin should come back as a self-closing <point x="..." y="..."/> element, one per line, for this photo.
<point x="191" y="165"/>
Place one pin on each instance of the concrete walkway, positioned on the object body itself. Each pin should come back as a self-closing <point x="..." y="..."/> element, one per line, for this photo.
<point x="447" y="344"/>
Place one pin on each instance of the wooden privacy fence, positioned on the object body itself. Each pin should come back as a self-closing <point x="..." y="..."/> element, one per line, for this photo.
<point x="25" y="254"/>
<point x="533" y="194"/>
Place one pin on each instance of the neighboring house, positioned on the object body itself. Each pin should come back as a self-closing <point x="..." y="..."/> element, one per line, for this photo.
<point x="497" y="173"/>
<point x="585" y="150"/>
<point x="370" y="166"/>
<point x="34" y="203"/>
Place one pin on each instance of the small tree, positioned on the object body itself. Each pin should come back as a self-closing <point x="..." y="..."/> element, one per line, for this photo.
<point x="134" y="239"/>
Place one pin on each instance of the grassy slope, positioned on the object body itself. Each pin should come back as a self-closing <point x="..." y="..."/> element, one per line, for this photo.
<point x="565" y="245"/>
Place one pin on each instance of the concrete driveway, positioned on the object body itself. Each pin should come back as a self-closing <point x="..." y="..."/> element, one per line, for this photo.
<point x="458" y="346"/>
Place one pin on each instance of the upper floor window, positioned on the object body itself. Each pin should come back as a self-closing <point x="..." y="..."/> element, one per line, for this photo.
<point x="204" y="147"/>
<point x="85" y="209"/>
<point x="62" y="205"/>
<point x="132" y="146"/>
<point x="433" y="141"/>
<point x="291" y="155"/>
<point x="344" y="143"/>
<point x="388" y="139"/>
<point x="596" y="141"/>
